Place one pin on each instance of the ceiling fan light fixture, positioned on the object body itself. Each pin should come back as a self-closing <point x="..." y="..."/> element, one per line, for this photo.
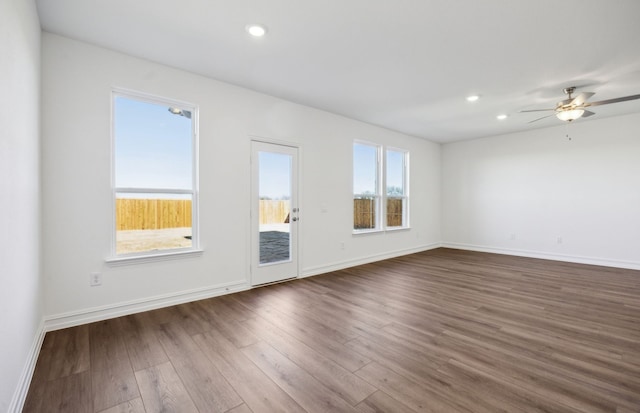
<point x="573" y="108"/>
<point x="570" y="115"/>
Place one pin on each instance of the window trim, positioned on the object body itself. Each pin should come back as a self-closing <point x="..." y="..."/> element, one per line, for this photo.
<point x="150" y="256"/>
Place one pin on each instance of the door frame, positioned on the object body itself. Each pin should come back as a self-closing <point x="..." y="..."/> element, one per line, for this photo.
<point x="254" y="234"/>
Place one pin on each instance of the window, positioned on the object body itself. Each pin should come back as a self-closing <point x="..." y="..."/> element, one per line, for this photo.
<point x="397" y="194"/>
<point x="155" y="176"/>
<point x="370" y="175"/>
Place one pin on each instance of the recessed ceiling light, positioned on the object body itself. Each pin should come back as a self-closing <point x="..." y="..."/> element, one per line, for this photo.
<point x="502" y="117"/>
<point x="472" y="98"/>
<point x="256" y="30"/>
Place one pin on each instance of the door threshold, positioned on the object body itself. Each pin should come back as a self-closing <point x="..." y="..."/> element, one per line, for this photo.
<point x="275" y="282"/>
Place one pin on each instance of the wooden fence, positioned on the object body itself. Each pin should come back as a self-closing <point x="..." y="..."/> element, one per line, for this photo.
<point x="394" y="212"/>
<point x="152" y="213"/>
<point x="364" y="213"/>
<point x="274" y="212"/>
<point x="132" y="214"/>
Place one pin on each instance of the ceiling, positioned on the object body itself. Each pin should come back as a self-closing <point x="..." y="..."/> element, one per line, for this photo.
<point x="406" y="65"/>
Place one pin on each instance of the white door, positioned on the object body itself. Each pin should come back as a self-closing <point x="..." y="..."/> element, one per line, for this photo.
<point x="274" y="212"/>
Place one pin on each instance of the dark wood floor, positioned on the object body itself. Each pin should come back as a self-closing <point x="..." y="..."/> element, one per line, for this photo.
<point x="440" y="331"/>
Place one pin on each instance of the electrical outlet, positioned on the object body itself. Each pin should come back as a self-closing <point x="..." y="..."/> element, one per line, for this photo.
<point x="559" y="240"/>
<point x="341" y="245"/>
<point x="513" y="237"/>
<point x="95" y="279"/>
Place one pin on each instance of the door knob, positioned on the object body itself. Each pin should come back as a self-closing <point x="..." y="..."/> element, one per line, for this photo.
<point x="294" y="219"/>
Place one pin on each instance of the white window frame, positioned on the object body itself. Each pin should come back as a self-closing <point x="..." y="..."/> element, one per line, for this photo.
<point x="378" y="204"/>
<point x="194" y="192"/>
<point x="381" y="188"/>
<point x="405" y="187"/>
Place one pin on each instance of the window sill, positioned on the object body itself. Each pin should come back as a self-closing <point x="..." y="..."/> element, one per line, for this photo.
<point x="377" y="231"/>
<point x="367" y="231"/>
<point x="392" y="229"/>
<point x="143" y="259"/>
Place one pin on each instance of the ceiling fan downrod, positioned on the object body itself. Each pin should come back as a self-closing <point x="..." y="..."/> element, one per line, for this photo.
<point x="569" y="90"/>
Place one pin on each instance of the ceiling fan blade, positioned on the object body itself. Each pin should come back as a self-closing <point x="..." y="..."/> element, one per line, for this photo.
<point x="587" y="113"/>
<point x="581" y="98"/>
<point x="535" y="120"/>
<point x="616" y="100"/>
<point x="536" y="110"/>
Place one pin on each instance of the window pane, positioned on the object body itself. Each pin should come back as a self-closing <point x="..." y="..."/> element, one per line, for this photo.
<point x="153" y="145"/>
<point x="365" y="169"/>
<point x="275" y="175"/>
<point x="395" y="173"/>
<point x="395" y="212"/>
<point x="153" y="176"/>
<point x="152" y="222"/>
<point x="274" y="189"/>
<point x="396" y="190"/>
<point x="365" y="186"/>
<point x="364" y="213"/>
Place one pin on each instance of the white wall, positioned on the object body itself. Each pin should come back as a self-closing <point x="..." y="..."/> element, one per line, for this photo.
<point x="77" y="82"/>
<point x="539" y="186"/>
<point x="20" y="282"/>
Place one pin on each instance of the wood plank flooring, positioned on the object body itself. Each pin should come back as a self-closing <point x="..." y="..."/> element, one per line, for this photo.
<point x="439" y="331"/>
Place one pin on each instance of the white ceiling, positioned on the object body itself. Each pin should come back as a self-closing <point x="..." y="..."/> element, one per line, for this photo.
<point x="406" y="65"/>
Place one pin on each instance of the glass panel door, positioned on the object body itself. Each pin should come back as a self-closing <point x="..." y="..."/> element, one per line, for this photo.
<point x="274" y="213"/>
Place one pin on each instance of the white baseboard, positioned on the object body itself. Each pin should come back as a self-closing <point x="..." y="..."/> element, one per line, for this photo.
<point x="308" y="272"/>
<point x="20" y="395"/>
<point x="546" y="255"/>
<point x="90" y="315"/>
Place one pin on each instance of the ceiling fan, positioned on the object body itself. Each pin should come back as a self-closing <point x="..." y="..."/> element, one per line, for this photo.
<point x="573" y="108"/>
